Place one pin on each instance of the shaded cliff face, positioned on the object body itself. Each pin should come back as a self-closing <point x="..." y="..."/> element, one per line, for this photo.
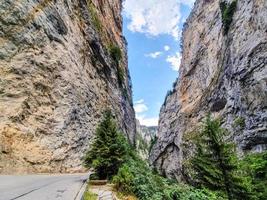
<point x="144" y="137"/>
<point x="57" y="76"/>
<point x="225" y="74"/>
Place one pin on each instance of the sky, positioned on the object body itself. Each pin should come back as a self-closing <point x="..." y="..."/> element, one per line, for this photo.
<point x="153" y="31"/>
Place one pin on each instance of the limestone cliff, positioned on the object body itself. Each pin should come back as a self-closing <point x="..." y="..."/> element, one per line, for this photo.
<point x="145" y="135"/>
<point x="223" y="72"/>
<point x="62" y="63"/>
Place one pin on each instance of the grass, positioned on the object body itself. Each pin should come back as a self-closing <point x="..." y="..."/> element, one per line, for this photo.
<point x="239" y="122"/>
<point x="89" y="195"/>
<point x="122" y="196"/>
<point x="95" y="19"/>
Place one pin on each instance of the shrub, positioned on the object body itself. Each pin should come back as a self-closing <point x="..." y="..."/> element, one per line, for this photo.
<point x="239" y="122"/>
<point x="135" y="177"/>
<point x="120" y="74"/>
<point x="115" y="53"/>
<point x="95" y="20"/>
<point x="152" y="143"/>
<point x="109" y="149"/>
<point x="184" y="192"/>
<point x="123" y="180"/>
<point x="255" y="168"/>
<point x="227" y="12"/>
<point x="142" y="144"/>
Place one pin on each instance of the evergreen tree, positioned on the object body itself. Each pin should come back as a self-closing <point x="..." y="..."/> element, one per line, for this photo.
<point x="109" y="149"/>
<point x="215" y="162"/>
<point x="255" y="168"/>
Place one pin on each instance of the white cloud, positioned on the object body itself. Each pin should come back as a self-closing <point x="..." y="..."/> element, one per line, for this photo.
<point x="175" y="61"/>
<point x="139" y="101"/>
<point x="154" y="55"/>
<point x="166" y="48"/>
<point x="189" y="3"/>
<point x="146" y="121"/>
<point x="153" y="17"/>
<point x="140" y="108"/>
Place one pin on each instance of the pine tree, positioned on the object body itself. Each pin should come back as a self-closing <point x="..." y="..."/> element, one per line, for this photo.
<point x="215" y="162"/>
<point x="109" y="149"/>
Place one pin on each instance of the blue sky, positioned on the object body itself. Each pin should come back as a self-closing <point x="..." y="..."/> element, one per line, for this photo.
<point x="153" y="30"/>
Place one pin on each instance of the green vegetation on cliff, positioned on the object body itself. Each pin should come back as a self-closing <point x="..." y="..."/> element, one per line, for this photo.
<point x="116" y="55"/>
<point x="94" y="17"/>
<point x="227" y="12"/>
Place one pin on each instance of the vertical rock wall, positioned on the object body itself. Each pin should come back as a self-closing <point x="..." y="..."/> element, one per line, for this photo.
<point x="57" y="77"/>
<point x="225" y="74"/>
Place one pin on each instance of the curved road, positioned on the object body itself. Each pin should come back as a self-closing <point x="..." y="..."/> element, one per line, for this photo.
<point x="42" y="187"/>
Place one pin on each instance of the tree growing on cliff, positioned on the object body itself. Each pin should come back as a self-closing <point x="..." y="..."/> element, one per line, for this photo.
<point x="109" y="149"/>
<point x="227" y="12"/>
<point x="215" y="162"/>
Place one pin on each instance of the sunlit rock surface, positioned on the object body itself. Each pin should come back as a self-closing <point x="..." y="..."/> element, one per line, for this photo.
<point x="56" y="79"/>
<point x="222" y="74"/>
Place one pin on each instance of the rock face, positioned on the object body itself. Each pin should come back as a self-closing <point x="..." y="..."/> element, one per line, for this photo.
<point x="58" y="74"/>
<point x="221" y="73"/>
<point x="144" y="137"/>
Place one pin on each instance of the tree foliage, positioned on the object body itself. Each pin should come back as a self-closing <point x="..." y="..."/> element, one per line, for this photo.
<point x="215" y="162"/>
<point x="254" y="167"/>
<point x="116" y="55"/>
<point x="227" y="12"/>
<point x="109" y="149"/>
<point x="136" y="177"/>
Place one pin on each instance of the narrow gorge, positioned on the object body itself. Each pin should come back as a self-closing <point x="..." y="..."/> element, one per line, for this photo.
<point x="223" y="72"/>
<point x="62" y="64"/>
<point x="69" y="110"/>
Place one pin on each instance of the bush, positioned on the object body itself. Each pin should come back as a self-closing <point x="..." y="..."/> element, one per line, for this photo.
<point x="142" y="144"/>
<point x="95" y="20"/>
<point x="239" y="122"/>
<point x="184" y="192"/>
<point x="115" y="53"/>
<point x="135" y="177"/>
<point x="152" y="143"/>
<point x="227" y="12"/>
<point x="120" y="74"/>
<point x="109" y="149"/>
<point x="255" y="168"/>
<point x="124" y="179"/>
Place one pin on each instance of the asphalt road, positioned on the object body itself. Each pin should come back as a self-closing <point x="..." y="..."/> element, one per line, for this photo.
<point x="42" y="187"/>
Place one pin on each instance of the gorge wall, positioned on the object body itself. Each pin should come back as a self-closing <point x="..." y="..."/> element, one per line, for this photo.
<point x="222" y="72"/>
<point x="60" y="69"/>
<point x="145" y="135"/>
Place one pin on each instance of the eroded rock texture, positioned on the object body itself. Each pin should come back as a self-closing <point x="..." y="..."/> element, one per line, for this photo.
<point x="222" y="74"/>
<point x="144" y="137"/>
<point x="56" y="78"/>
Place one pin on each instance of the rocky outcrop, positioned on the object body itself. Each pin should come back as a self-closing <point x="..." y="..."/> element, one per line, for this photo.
<point x="223" y="72"/>
<point x="144" y="139"/>
<point x="58" y="74"/>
